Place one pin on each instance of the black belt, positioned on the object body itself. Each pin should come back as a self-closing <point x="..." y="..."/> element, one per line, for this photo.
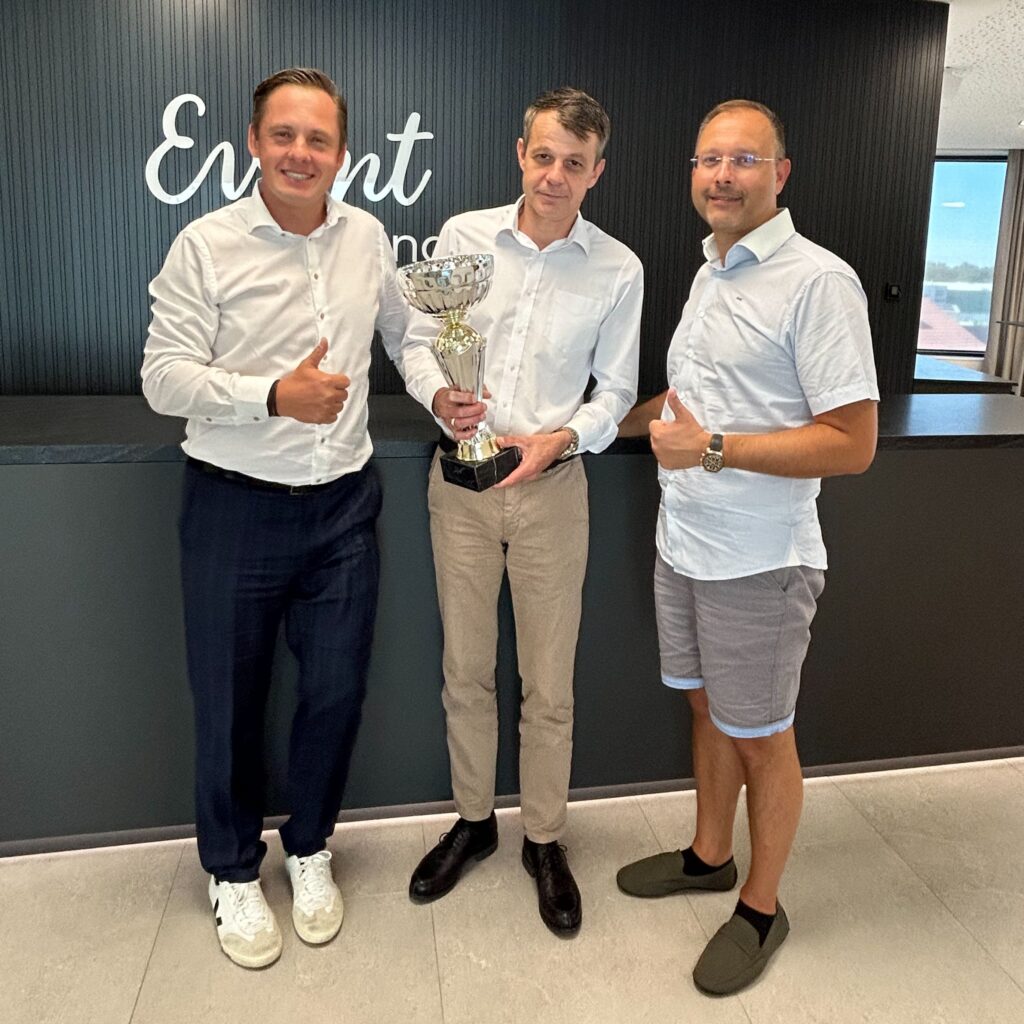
<point x="447" y="445"/>
<point x="254" y="482"/>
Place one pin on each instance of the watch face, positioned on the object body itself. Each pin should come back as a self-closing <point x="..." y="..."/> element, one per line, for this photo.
<point x="712" y="461"/>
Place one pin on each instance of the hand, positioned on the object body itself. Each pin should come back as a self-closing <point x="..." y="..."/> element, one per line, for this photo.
<point x="678" y="444"/>
<point x="460" y="410"/>
<point x="309" y="395"/>
<point x="539" y="451"/>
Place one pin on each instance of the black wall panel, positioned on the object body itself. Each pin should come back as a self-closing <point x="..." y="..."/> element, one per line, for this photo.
<point x="85" y="87"/>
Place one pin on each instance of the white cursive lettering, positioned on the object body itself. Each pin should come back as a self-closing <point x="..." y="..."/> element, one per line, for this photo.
<point x="406" y="140"/>
<point x="173" y="140"/>
<point x="370" y="163"/>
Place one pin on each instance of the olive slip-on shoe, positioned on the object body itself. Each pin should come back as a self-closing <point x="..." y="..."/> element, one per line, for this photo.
<point x="663" y="875"/>
<point x="733" y="958"/>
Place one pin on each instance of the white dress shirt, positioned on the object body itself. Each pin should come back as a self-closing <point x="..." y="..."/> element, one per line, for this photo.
<point x="771" y="338"/>
<point x="552" y="319"/>
<point x="239" y="303"/>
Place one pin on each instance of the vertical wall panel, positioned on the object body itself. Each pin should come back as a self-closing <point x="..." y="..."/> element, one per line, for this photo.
<point x="85" y="86"/>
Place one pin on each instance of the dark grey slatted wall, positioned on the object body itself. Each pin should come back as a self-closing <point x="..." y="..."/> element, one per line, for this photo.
<point x="85" y="86"/>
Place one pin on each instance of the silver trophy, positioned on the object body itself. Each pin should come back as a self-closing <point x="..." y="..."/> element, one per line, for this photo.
<point x="447" y="289"/>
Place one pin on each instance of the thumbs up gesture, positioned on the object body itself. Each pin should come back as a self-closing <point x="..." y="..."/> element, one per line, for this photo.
<point x="309" y="395"/>
<point x="678" y="443"/>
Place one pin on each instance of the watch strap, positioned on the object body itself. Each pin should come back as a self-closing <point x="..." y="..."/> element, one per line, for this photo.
<point x="574" y="444"/>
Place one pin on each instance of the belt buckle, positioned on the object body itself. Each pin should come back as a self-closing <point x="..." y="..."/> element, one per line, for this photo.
<point x="299" y="488"/>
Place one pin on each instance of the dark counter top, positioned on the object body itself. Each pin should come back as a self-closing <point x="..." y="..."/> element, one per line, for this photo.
<point x="85" y="429"/>
<point x="951" y="421"/>
<point x="80" y="429"/>
<point x="934" y="376"/>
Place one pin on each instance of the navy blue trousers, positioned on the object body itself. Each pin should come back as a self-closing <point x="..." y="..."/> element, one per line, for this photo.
<point x="250" y="558"/>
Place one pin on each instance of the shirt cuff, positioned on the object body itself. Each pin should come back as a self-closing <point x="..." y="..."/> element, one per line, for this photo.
<point x="592" y="437"/>
<point x="250" y="398"/>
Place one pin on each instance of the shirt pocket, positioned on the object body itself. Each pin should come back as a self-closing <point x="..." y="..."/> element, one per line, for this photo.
<point x="574" y="321"/>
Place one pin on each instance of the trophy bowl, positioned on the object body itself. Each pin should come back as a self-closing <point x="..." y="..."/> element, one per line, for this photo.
<point x="454" y="283"/>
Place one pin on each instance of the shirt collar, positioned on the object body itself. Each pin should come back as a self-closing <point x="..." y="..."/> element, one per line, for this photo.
<point x="760" y="244"/>
<point x="260" y="217"/>
<point x="579" y="233"/>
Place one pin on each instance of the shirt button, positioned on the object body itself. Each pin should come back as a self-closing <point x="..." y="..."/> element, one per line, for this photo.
<point x="322" y="439"/>
<point x="316" y="277"/>
<point x="322" y="315"/>
<point x="255" y="419"/>
<point x="209" y="419"/>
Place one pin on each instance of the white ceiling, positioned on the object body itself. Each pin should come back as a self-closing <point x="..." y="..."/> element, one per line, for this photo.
<point x="983" y="86"/>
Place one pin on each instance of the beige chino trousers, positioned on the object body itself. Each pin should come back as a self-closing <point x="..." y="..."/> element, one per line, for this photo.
<point x="538" y="532"/>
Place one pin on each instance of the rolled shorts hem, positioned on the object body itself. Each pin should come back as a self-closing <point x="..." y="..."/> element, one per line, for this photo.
<point x="739" y="732"/>
<point x="683" y="682"/>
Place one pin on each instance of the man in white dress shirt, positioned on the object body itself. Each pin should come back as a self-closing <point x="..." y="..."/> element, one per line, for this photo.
<point x="772" y="387"/>
<point x="564" y="307"/>
<point x="263" y="316"/>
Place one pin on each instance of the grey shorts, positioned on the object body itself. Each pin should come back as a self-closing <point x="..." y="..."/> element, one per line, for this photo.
<point x="743" y="640"/>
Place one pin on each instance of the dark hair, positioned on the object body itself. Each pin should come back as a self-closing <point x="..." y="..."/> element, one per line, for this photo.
<point x="724" y="108"/>
<point x="577" y="113"/>
<point x="309" y="77"/>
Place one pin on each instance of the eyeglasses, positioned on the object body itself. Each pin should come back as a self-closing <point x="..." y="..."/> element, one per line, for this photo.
<point x="740" y="161"/>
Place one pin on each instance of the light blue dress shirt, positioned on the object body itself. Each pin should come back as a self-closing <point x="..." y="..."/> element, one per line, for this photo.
<point x="772" y="337"/>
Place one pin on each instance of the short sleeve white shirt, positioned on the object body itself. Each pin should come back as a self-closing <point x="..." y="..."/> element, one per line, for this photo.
<point x="772" y="337"/>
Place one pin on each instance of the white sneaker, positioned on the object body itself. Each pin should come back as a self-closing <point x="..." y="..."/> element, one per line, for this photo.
<point x="246" y="927"/>
<point x="317" y="908"/>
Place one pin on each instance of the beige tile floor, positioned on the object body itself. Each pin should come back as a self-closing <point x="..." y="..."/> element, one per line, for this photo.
<point x="905" y="890"/>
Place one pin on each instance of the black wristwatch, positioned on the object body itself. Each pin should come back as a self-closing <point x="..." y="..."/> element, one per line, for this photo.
<point x="712" y="458"/>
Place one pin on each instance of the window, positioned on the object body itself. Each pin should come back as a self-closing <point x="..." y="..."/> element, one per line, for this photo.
<point x="963" y="228"/>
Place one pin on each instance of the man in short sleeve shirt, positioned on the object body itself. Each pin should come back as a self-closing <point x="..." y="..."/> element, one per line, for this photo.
<point x="263" y="314"/>
<point x="772" y="386"/>
<point x="563" y="309"/>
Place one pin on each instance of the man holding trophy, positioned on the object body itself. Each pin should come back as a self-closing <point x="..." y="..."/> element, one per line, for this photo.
<point x="556" y="303"/>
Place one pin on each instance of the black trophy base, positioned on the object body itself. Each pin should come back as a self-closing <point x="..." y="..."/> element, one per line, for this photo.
<point x="478" y="476"/>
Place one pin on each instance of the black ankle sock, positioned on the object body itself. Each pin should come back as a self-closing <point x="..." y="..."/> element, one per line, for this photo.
<point x="762" y="922"/>
<point x="693" y="865"/>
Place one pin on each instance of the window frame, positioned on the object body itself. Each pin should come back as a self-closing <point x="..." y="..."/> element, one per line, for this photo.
<point x="969" y="158"/>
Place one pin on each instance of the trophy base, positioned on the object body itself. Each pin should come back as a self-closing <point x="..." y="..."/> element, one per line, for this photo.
<point x="478" y="476"/>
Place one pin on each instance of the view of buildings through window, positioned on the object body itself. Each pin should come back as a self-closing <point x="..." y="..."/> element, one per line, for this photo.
<point x="963" y="228"/>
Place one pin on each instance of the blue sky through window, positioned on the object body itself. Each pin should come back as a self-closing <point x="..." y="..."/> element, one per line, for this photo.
<point x="964" y="220"/>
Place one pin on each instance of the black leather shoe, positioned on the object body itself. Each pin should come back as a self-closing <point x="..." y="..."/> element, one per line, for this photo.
<point x="558" y="896"/>
<point x="440" y="869"/>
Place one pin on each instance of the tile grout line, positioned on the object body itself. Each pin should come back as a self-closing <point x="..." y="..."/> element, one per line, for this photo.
<point x="650" y="827"/>
<point x="156" y="934"/>
<point x="433" y="932"/>
<point x="942" y="903"/>
<point x="740" y="997"/>
<point x="689" y="901"/>
<point x="437" y="966"/>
